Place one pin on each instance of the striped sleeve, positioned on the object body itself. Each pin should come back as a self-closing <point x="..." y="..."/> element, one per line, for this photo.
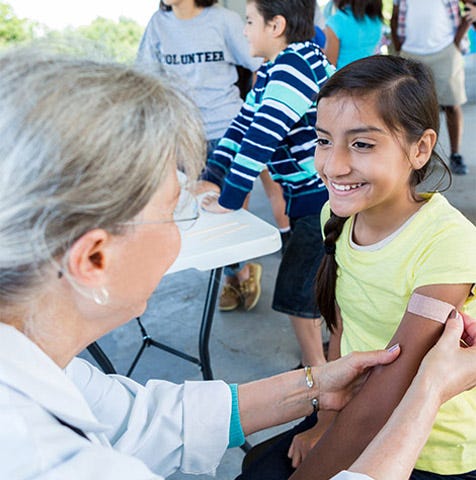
<point x="219" y="162"/>
<point x="290" y="92"/>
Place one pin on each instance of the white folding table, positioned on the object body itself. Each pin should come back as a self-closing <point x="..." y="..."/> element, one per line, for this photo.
<point x="216" y="240"/>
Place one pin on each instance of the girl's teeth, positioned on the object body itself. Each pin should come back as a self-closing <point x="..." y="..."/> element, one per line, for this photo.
<point x="346" y="188"/>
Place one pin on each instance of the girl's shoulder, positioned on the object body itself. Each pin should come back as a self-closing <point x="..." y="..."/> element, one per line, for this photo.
<point x="439" y="226"/>
<point x="438" y="210"/>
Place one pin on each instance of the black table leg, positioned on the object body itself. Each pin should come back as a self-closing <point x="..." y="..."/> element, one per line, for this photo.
<point x="207" y="322"/>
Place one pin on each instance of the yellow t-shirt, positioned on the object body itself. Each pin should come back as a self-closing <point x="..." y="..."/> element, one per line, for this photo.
<point x="437" y="246"/>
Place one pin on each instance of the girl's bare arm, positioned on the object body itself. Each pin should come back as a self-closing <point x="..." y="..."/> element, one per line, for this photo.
<point x="358" y="423"/>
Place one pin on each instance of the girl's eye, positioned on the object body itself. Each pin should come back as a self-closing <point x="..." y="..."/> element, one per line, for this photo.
<point x="322" y="142"/>
<point x="363" y="145"/>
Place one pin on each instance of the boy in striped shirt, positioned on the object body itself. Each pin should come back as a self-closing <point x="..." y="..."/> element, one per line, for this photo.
<point x="275" y="130"/>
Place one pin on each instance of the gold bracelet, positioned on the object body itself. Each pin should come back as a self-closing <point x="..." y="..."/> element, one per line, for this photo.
<point x="310" y="384"/>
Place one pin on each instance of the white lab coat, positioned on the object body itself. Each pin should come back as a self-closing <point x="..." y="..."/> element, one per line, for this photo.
<point x="134" y="432"/>
<point x="345" y="475"/>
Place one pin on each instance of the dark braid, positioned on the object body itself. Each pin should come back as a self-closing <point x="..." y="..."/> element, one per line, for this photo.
<point x="327" y="274"/>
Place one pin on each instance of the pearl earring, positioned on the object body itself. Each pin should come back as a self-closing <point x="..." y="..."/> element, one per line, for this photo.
<point x="101" y="296"/>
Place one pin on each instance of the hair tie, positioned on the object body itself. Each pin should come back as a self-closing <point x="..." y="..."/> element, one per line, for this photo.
<point x="330" y="249"/>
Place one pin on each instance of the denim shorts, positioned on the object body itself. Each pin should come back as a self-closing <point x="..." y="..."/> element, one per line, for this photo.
<point x="294" y="292"/>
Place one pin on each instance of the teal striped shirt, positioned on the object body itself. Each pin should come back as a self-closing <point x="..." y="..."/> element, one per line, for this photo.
<point x="276" y="129"/>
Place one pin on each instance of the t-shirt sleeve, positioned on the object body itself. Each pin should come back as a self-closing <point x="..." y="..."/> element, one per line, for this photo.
<point x="335" y="24"/>
<point x="449" y="257"/>
<point x="147" y="52"/>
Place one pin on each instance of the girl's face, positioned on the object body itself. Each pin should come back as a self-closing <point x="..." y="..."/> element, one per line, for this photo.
<point x="259" y="33"/>
<point x="362" y="163"/>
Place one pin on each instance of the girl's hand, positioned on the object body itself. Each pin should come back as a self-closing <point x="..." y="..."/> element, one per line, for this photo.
<point x="303" y="442"/>
<point x="210" y="204"/>
<point x="450" y="367"/>
<point x="341" y="379"/>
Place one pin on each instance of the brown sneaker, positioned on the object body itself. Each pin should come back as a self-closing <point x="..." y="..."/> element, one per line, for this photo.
<point x="251" y="289"/>
<point x="230" y="298"/>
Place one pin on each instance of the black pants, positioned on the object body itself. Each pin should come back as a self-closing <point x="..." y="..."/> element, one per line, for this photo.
<point x="269" y="460"/>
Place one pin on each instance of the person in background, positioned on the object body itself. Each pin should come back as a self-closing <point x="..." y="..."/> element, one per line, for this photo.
<point x="353" y="31"/>
<point x="274" y="130"/>
<point x="88" y="227"/>
<point x="319" y="37"/>
<point x="438" y="47"/>
<point x="202" y="44"/>
<point x="469" y="11"/>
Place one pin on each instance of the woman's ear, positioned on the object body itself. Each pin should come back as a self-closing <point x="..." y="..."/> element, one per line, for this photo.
<point x="88" y="257"/>
<point x="422" y="150"/>
<point x="279" y="26"/>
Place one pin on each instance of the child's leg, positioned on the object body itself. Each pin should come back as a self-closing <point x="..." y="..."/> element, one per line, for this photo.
<point x="309" y="336"/>
<point x="242" y="283"/>
<point x="294" y="290"/>
<point x="274" y="192"/>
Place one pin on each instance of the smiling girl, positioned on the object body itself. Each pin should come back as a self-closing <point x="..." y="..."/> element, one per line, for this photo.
<point x="377" y="126"/>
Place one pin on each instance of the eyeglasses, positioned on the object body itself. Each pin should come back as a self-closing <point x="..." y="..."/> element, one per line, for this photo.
<point x="185" y="215"/>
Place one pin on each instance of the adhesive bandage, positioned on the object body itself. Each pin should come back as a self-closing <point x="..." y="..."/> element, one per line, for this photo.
<point x="430" y="308"/>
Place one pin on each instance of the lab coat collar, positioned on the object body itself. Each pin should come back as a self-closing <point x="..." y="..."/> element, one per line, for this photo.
<point x="26" y="368"/>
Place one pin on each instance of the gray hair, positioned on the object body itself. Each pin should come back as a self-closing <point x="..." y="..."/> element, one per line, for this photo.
<point x="83" y="144"/>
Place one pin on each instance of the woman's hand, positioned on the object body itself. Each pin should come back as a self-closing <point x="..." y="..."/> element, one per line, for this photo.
<point x="449" y="366"/>
<point x="210" y="204"/>
<point x="341" y="379"/>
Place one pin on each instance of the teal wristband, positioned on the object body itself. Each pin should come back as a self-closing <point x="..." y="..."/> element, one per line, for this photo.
<point x="236" y="436"/>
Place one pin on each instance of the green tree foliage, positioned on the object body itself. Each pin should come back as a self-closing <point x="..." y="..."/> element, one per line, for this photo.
<point x="118" y="40"/>
<point x="12" y="28"/>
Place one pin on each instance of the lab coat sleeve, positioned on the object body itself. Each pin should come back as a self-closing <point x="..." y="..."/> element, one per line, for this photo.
<point x="168" y="426"/>
<point x="345" y="475"/>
